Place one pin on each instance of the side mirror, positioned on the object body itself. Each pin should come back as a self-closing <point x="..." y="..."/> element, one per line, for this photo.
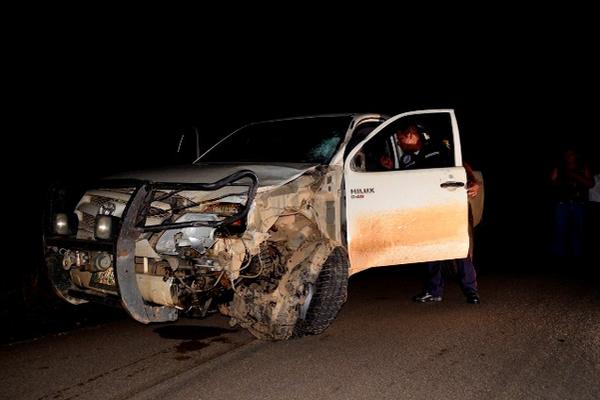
<point x="188" y="146"/>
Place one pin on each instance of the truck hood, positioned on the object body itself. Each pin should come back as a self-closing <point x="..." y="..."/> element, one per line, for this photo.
<point x="269" y="175"/>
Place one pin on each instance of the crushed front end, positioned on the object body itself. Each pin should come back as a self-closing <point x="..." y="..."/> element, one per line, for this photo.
<point x="160" y="249"/>
<point x="147" y="246"/>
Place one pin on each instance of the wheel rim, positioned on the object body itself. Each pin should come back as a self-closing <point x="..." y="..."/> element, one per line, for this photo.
<point x="310" y="291"/>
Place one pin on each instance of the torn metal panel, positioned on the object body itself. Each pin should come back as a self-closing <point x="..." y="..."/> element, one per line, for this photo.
<point x="328" y="203"/>
<point x="295" y="216"/>
<point x="271" y="313"/>
<point x="315" y="196"/>
<point x="295" y="197"/>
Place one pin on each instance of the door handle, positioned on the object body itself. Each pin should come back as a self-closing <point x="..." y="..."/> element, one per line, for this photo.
<point x="452" y="184"/>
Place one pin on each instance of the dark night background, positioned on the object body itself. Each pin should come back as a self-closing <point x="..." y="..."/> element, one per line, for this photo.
<point x="85" y="108"/>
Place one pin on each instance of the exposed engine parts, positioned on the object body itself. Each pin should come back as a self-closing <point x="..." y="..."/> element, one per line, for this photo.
<point x="74" y="258"/>
<point x="86" y="260"/>
<point x="198" y="238"/>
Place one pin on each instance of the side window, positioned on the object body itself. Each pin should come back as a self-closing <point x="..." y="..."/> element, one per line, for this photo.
<point x="414" y="142"/>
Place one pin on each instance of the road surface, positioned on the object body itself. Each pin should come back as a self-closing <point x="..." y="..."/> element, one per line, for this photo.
<point x="536" y="335"/>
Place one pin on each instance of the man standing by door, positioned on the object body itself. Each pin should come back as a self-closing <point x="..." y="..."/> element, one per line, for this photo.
<point x="417" y="152"/>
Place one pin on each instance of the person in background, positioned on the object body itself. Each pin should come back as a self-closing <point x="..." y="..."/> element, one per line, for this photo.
<point x="571" y="179"/>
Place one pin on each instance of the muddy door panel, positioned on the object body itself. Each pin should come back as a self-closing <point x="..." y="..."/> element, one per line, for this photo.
<point x="406" y="216"/>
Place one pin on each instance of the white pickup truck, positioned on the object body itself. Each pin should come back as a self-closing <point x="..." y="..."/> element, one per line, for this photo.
<point x="266" y="226"/>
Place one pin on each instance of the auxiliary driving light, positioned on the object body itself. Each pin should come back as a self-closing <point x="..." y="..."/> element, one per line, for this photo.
<point x="105" y="226"/>
<point x="64" y="224"/>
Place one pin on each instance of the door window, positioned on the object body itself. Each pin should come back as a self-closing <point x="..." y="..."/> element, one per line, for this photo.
<point x="418" y="141"/>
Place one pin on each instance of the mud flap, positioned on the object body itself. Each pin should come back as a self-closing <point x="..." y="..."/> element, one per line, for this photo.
<point x="131" y="298"/>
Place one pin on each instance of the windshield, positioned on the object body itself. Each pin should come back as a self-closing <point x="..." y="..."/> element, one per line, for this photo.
<point x="306" y="140"/>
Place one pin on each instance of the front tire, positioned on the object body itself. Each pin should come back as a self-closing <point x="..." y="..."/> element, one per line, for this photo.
<point x="329" y="293"/>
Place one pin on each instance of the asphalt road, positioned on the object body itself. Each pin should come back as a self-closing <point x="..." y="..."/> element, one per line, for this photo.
<point x="536" y="335"/>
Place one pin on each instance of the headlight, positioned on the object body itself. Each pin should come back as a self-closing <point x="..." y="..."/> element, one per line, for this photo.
<point x="64" y="224"/>
<point x="106" y="226"/>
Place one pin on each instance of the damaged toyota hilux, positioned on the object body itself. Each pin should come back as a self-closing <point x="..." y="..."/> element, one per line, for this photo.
<point x="266" y="226"/>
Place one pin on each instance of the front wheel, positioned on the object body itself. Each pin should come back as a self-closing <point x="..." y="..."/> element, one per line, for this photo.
<point x="325" y="298"/>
